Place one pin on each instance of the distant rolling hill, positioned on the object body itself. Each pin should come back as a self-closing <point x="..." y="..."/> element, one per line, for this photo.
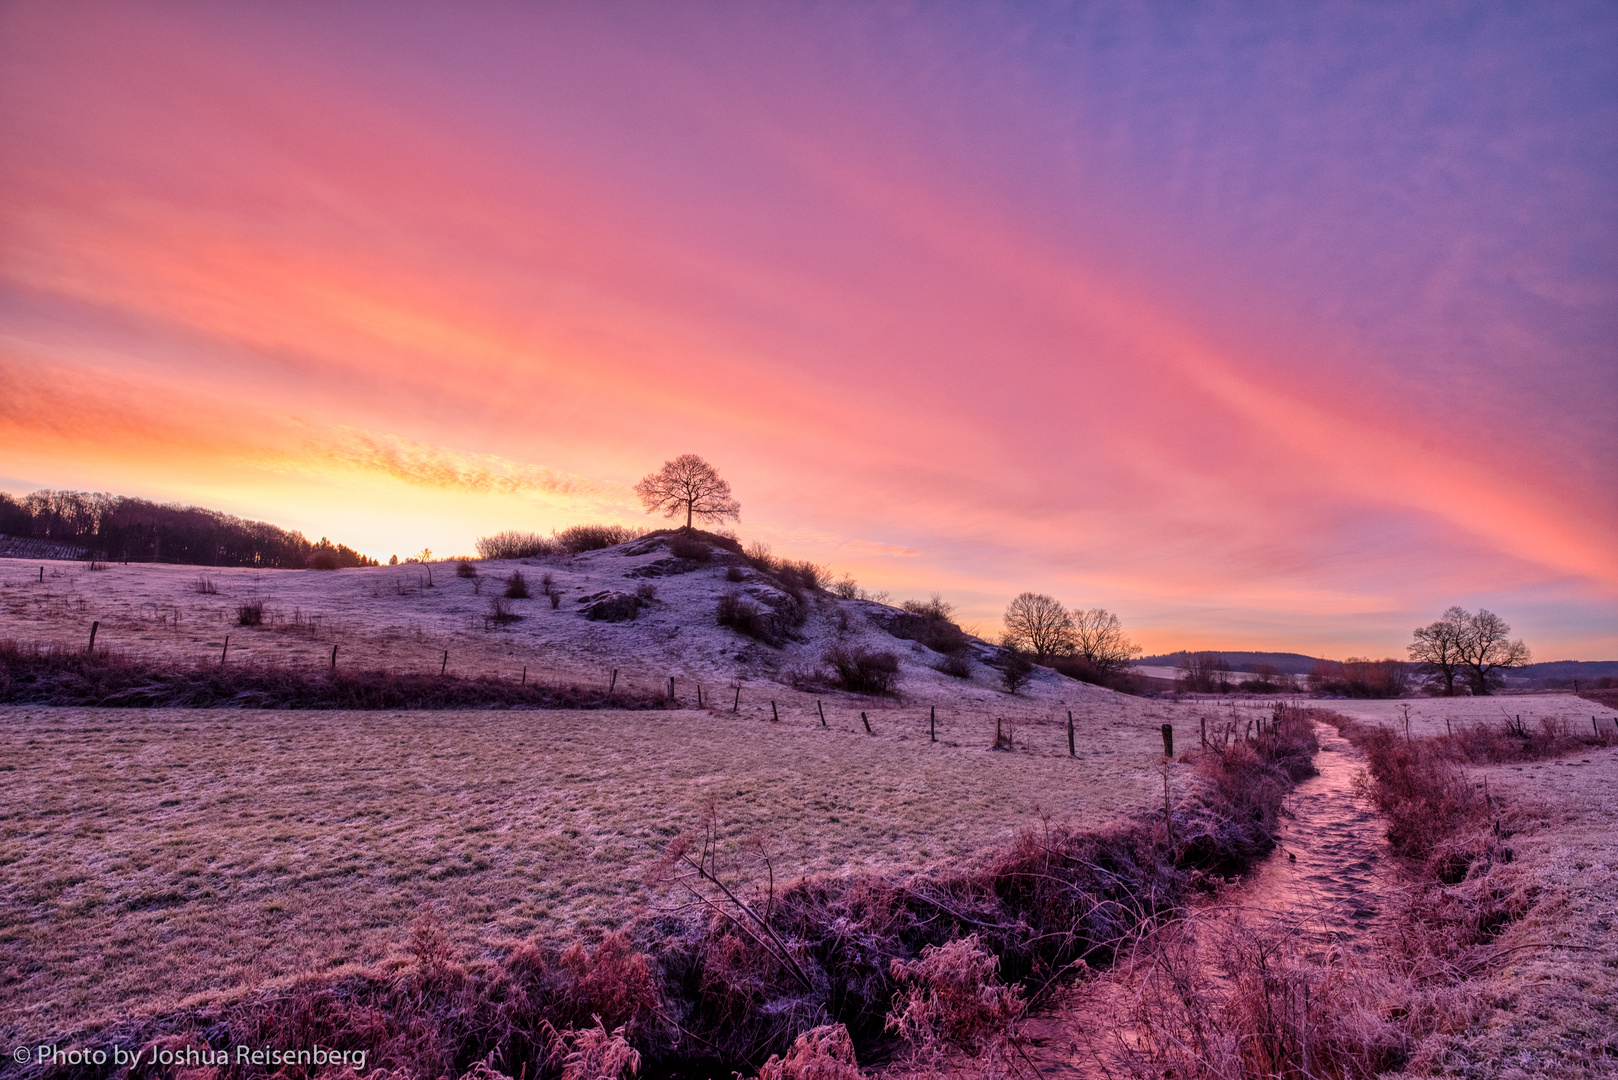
<point x="1289" y="663"/>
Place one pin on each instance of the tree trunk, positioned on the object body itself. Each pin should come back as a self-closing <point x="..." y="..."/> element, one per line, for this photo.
<point x="688" y="515"/>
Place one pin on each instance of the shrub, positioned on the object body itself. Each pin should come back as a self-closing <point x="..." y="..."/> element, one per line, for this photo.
<point x="957" y="665"/>
<point x="516" y="545"/>
<point x="613" y="607"/>
<point x="581" y="538"/>
<point x="464" y="568"/>
<point x="796" y="577"/>
<point x="250" y="613"/>
<point x="928" y="623"/>
<point x="646" y="591"/>
<point x="759" y="557"/>
<point x="689" y="548"/>
<point x="953" y="996"/>
<point x="1018" y="670"/>
<point x="863" y="671"/>
<point x="742" y="615"/>
<point x="205" y="586"/>
<point x="735" y="573"/>
<point x="822" y="1053"/>
<point x="845" y="588"/>
<point x="517" y="586"/>
<point x="500" y="611"/>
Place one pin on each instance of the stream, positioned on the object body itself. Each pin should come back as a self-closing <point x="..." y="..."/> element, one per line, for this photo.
<point x="1325" y="880"/>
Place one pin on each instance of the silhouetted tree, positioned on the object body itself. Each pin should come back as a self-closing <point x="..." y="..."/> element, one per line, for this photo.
<point x="1487" y="651"/>
<point x="688" y="483"/>
<point x="1098" y="639"/>
<point x="1436" y="652"/>
<point x="1038" y="624"/>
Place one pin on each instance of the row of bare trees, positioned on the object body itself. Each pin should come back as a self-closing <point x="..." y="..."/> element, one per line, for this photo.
<point x="1088" y="644"/>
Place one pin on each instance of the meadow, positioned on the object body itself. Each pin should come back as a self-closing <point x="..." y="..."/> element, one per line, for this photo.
<point x="150" y="856"/>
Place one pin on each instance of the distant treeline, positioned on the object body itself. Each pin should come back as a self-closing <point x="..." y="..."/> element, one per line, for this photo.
<point x="120" y="529"/>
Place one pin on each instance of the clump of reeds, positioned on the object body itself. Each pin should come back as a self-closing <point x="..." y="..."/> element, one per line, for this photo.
<point x="250" y="613"/>
<point x="205" y="585"/>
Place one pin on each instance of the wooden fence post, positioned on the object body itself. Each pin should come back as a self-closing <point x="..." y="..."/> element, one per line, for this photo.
<point x="867" y="724"/>
<point x="736" y="705"/>
<point x="699" y="695"/>
<point x="613" y="685"/>
<point x="1168" y="740"/>
<point x="442" y="668"/>
<point x="93" y="628"/>
<point x="525" y="675"/>
<point x="671" y="687"/>
<point x="932" y="722"/>
<point x="1072" y="751"/>
<point x="224" y="651"/>
<point x="774" y="715"/>
<point x="822" y="710"/>
<point x="334" y="657"/>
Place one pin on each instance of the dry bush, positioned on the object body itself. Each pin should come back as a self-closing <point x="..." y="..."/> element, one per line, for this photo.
<point x="577" y="539"/>
<point x="250" y="613"/>
<point x="689" y="548"/>
<point x="957" y="665"/>
<point x="822" y="1053"/>
<point x="516" y="586"/>
<point x="863" y="671"/>
<point x="930" y="622"/>
<point x="465" y="569"/>
<point x="1016" y="672"/>
<point x="800" y="577"/>
<point x="845" y="588"/>
<point x="500" y="611"/>
<point x="614" y="984"/>
<point x="758" y="556"/>
<point x="612" y="607"/>
<point x="1223" y="1001"/>
<point x="735" y="573"/>
<point x="595" y="1054"/>
<point x="646" y="591"/>
<point x="516" y="545"/>
<point x="745" y="617"/>
<point x="206" y="586"/>
<point x="953" y="997"/>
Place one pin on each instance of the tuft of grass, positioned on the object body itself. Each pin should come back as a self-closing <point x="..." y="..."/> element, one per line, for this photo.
<point x="465" y="569"/>
<point x="517" y="586"/>
<point x="205" y="585"/>
<point x="500" y="612"/>
<point x="250" y="613"/>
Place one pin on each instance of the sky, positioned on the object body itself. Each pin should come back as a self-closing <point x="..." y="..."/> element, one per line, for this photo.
<point x="1266" y="326"/>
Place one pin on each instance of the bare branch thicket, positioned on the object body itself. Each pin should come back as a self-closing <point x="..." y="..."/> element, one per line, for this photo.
<point x="688" y="483"/>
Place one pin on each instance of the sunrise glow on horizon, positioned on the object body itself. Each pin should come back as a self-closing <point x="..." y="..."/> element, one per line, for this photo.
<point x="1268" y="328"/>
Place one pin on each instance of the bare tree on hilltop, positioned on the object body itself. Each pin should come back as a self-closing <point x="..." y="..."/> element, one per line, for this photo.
<point x="688" y="483"/>
<point x="1461" y="644"/>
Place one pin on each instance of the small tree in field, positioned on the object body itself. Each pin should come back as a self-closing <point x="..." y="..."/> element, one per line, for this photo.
<point x="1038" y="624"/>
<point x="688" y="483"/>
